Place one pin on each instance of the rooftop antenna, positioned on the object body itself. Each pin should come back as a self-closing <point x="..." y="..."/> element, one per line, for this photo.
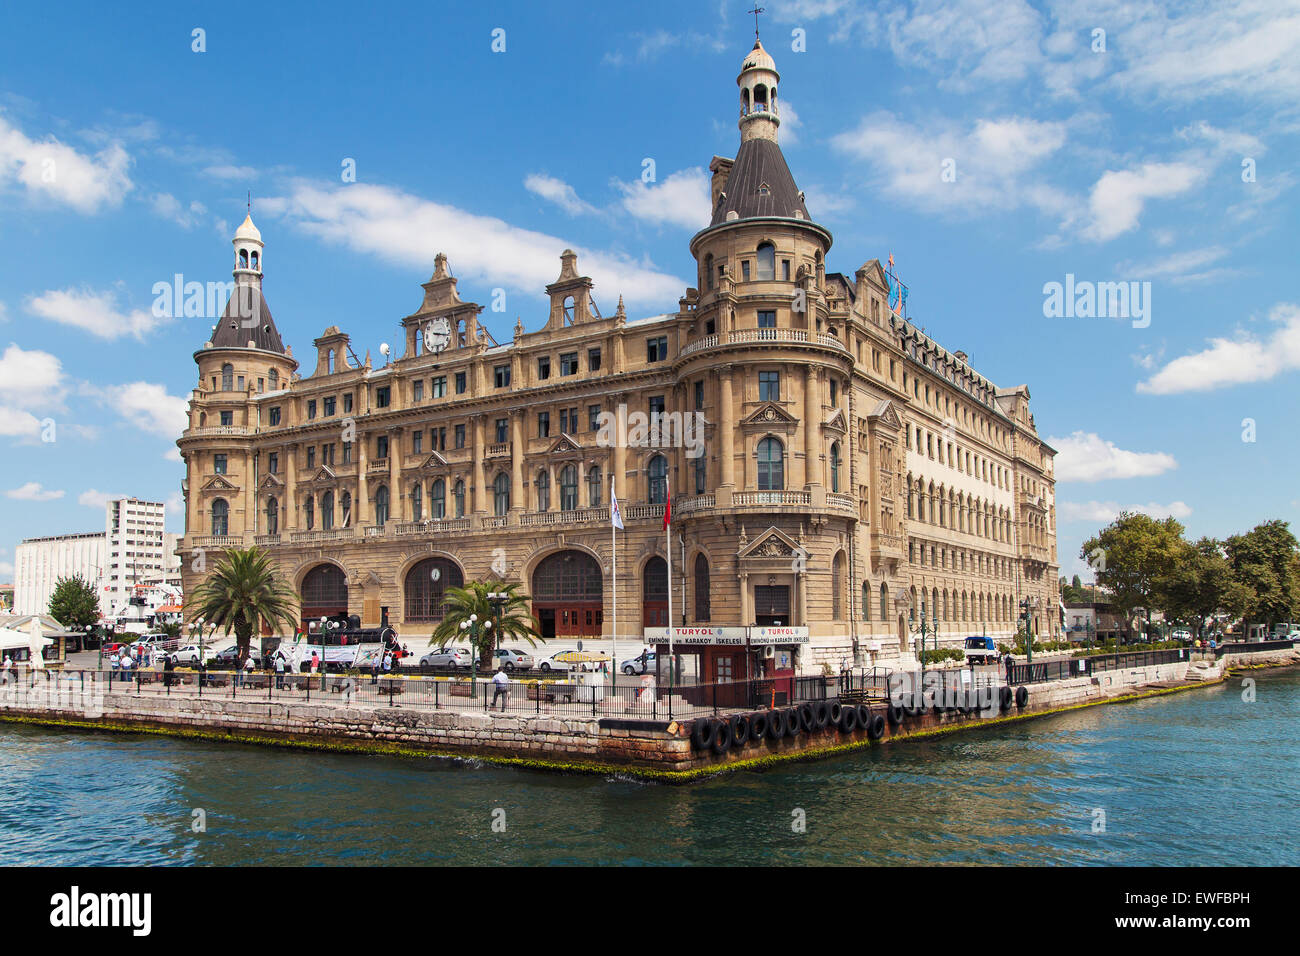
<point x="250" y="202"/>
<point x="756" y="11"/>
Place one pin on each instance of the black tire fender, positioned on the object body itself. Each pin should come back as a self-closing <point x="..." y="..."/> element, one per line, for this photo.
<point x="807" y="717"/>
<point x="821" y="714"/>
<point x="776" y="725"/>
<point x="722" y="737"/>
<point x="793" y="722"/>
<point x="1022" y="696"/>
<point x="876" y="727"/>
<point x="739" y="730"/>
<point x="895" y="715"/>
<point x="864" y="715"/>
<point x="758" y="725"/>
<point x="1005" y="697"/>
<point x="848" y="721"/>
<point x="835" y="709"/>
<point x="702" y="733"/>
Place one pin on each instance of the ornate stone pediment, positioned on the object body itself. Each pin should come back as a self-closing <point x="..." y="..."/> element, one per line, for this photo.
<point x="324" y="474"/>
<point x="886" y="414"/>
<point x="272" y="482"/>
<point x="769" y="415"/>
<point x="836" y="422"/>
<point x="564" y="445"/>
<point x="772" y="544"/>
<point x="435" y="462"/>
<point x="219" y="483"/>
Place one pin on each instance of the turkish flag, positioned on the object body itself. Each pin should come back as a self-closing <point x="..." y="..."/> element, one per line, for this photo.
<point x="668" y="503"/>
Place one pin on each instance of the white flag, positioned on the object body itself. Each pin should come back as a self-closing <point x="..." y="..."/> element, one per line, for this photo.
<point x="615" y="514"/>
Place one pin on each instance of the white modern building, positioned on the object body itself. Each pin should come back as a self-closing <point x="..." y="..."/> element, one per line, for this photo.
<point x="138" y="550"/>
<point x="40" y="562"/>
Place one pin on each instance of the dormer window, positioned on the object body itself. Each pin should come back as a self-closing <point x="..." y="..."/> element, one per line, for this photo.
<point x="764" y="189"/>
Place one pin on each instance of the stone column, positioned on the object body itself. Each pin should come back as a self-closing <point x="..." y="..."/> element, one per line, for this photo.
<point x="360" y="507"/>
<point x="812" y="430"/>
<point x="396" y="500"/>
<point x="290" y="522"/>
<point x="801" y="588"/>
<point x="619" y="439"/>
<point x="192" y="525"/>
<point x="249" y="526"/>
<point x="726" y="429"/>
<point x="745" y="616"/>
<point x="516" y="461"/>
<point x="478" y="505"/>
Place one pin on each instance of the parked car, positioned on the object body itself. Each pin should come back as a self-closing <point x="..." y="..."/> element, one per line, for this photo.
<point x="981" y="650"/>
<point x="640" y="664"/>
<point x="452" y="657"/>
<point x="513" y="659"/>
<point x="228" y="655"/>
<point x="188" y="656"/>
<point x="1181" y="634"/>
<point x="113" y="647"/>
<point x="572" y="660"/>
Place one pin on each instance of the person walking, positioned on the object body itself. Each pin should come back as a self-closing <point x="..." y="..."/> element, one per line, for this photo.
<point x="7" y="674"/>
<point x="500" y="689"/>
<point x="1008" y="660"/>
<point x="315" y="662"/>
<point x="248" y="666"/>
<point x="279" y="672"/>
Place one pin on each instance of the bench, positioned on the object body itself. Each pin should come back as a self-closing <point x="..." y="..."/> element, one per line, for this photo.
<point x="392" y="690"/>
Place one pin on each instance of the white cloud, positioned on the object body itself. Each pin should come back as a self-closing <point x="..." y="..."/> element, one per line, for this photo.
<point x="174" y="506"/>
<point x="226" y="171"/>
<point x="559" y="192"/>
<point x="29" y="379"/>
<point x="168" y="206"/>
<point x="1104" y="512"/>
<point x="408" y="230"/>
<point x="95" y="499"/>
<point x="1234" y="361"/>
<point x="33" y="491"/>
<point x="1086" y="456"/>
<point x="6" y="569"/>
<point x="1119" y="196"/>
<point x="172" y="454"/>
<point x="56" y="171"/>
<point x="650" y="46"/>
<point x="1180" y="267"/>
<point x="147" y="406"/>
<point x="94" y="312"/>
<point x="996" y="162"/>
<point x="15" y="423"/>
<point x="680" y="199"/>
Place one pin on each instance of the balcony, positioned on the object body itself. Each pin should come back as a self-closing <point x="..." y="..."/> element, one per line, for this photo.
<point x="320" y="537"/>
<point x="532" y="519"/>
<point x="772" y="499"/>
<point x="750" y="336"/>
<point x="844" y="503"/>
<point x="210" y="431"/>
<point x="266" y="540"/>
<point x="377" y="466"/>
<point x="213" y="541"/>
<point x="886" y="547"/>
<point x="432" y="526"/>
<point x="499" y="450"/>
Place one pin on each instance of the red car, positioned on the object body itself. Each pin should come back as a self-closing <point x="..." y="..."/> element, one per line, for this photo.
<point x="112" y="647"/>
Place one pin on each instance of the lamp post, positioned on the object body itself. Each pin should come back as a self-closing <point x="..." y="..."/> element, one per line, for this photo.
<point x="496" y="599"/>
<point x="922" y="630"/>
<point x="90" y="629"/>
<point x="471" y="627"/>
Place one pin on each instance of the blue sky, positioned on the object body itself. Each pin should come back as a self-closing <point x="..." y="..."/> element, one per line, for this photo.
<point x="992" y="147"/>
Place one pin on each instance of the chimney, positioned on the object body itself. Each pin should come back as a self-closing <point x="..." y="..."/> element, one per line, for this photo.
<point x="721" y="169"/>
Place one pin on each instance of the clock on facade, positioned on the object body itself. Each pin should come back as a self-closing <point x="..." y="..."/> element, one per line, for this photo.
<point x="437" y="334"/>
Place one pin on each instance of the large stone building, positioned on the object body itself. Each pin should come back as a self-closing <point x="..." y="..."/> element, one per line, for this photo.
<point x="854" y="474"/>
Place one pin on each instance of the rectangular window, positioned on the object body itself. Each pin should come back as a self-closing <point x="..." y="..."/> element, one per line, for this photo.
<point x="330" y="404"/>
<point x="835" y="392"/>
<point x="219" y="464"/>
<point x="460" y="383"/>
<point x="564" y="421"/>
<point x="543" y="424"/>
<point x="327" y="454"/>
<point x="569" y="363"/>
<point x="785" y="269"/>
<point x="744" y="271"/>
<point x="593" y="360"/>
<point x="593" y="418"/>
<point x="311" y="456"/>
<point x="767" y="320"/>
<point x="501" y="376"/>
<point x="544" y="367"/>
<point x="438" y="438"/>
<point x="311" y="409"/>
<point x="656" y="350"/>
<point x="439" y="384"/>
<point x="227" y="418"/>
<point x="274" y="415"/>
<point x="347" y="403"/>
<point x="417" y="442"/>
<point x="241" y="383"/>
<point x="460" y="436"/>
<point x="656" y="405"/>
<point x="417" y="390"/>
<point x="769" y="386"/>
<point x="381" y="446"/>
<point x="273" y="463"/>
<point x="383" y="396"/>
<point x="699" y="395"/>
<point x="502" y="425"/>
<point x="347" y="452"/>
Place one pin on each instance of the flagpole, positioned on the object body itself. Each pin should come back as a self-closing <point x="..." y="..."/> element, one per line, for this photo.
<point x="613" y="550"/>
<point x="668" y="540"/>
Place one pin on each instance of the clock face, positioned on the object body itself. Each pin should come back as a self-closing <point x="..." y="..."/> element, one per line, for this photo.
<point x="437" y="334"/>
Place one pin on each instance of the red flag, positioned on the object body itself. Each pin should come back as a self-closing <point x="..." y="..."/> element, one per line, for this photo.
<point x="668" y="503"/>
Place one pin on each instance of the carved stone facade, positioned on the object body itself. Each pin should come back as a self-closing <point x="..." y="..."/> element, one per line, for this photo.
<point x="853" y="472"/>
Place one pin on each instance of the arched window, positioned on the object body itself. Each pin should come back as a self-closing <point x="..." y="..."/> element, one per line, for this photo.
<point x="417" y="502"/>
<point x="273" y="377"/>
<point x="254" y="260"/>
<point x="272" y="516"/>
<point x="658" y="484"/>
<point x="702" y="596"/>
<point x="835" y="467"/>
<point x="327" y="511"/>
<point x="593" y="487"/>
<point x="438" y="499"/>
<point x="866" y="601"/>
<point x="708" y="271"/>
<point x="884" y="602"/>
<point x="771" y="465"/>
<point x="425" y="588"/>
<point x="760" y="97"/>
<point x="347" y="509"/>
<point x="324" y="591"/>
<point x="309" y="512"/>
<point x="837" y="585"/>
<point x="243" y="258"/>
<point x="227" y="377"/>
<point x="568" y="310"/>
<point x="568" y="488"/>
<point x="501" y="494"/>
<point x="543" y="490"/>
<point x="458" y="493"/>
<point x="381" y="505"/>
<point x="766" y="261"/>
<point x="220" y="517"/>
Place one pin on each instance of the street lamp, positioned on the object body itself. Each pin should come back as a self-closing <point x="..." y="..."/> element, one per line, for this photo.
<point x="90" y="629"/>
<point x="920" y="629"/>
<point x="497" y="599"/>
<point x="471" y="627"/>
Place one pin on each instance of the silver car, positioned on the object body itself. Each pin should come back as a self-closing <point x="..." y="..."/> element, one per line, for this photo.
<point x="512" y="659"/>
<point x="452" y="657"/>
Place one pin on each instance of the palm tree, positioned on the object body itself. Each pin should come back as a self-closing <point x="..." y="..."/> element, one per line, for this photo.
<point x="244" y="593"/>
<point x="513" y="620"/>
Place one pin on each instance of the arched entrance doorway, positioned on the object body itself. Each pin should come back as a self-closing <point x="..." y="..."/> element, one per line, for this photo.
<point x="425" y="590"/>
<point x="324" y="592"/>
<point x="654" y="593"/>
<point x="568" y="595"/>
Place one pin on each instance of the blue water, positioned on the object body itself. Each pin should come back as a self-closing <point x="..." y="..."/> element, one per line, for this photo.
<point x="1202" y="777"/>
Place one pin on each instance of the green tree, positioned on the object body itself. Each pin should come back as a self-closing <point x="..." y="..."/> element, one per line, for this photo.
<point x="1264" y="560"/>
<point x="1131" y="557"/>
<point x="243" y="594"/>
<point x="1199" y="584"/>
<point x="514" y="621"/>
<point x="74" y="603"/>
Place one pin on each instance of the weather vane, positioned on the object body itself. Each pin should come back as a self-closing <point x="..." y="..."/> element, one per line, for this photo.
<point x="756" y="11"/>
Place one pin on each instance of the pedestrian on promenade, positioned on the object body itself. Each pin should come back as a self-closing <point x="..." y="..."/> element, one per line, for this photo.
<point x="374" y="669"/>
<point x="248" y="666"/>
<point x="7" y="674"/>
<point x="315" y="662"/>
<point x="1008" y="660"/>
<point x="500" y="689"/>
<point x="279" y="672"/>
<point x="168" y="668"/>
<point x="114" y="663"/>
